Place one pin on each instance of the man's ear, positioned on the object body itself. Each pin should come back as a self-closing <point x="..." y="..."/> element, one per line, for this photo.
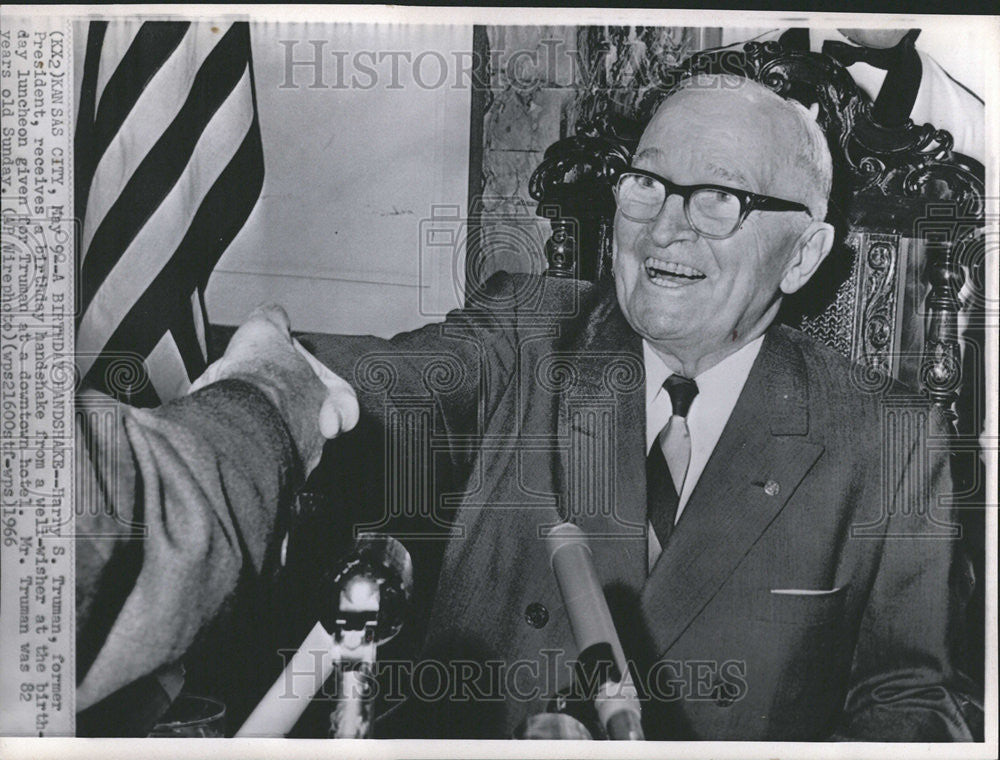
<point x="811" y="248"/>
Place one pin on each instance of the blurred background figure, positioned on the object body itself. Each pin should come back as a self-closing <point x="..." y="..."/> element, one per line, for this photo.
<point x="903" y="80"/>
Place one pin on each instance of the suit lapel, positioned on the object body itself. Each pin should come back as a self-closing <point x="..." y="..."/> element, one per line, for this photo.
<point x="760" y="459"/>
<point x="601" y="416"/>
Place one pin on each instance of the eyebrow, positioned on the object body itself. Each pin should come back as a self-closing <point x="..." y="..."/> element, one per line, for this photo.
<point x="728" y="175"/>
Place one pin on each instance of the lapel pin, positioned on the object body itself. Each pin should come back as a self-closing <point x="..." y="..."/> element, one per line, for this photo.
<point x="771" y="487"/>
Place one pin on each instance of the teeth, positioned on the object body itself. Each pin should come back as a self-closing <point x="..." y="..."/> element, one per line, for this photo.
<point x="657" y="268"/>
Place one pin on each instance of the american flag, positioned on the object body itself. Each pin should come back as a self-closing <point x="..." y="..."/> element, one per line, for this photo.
<point x="169" y="165"/>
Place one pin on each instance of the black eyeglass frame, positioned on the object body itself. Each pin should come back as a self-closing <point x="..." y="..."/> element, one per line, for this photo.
<point x="749" y="201"/>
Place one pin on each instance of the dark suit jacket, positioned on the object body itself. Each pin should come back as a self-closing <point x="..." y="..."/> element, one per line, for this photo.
<point x="527" y="408"/>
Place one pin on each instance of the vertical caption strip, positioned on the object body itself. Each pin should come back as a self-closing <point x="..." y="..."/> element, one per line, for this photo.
<point x="37" y="377"/>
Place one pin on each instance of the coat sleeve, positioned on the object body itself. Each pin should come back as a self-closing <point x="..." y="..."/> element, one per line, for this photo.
<point x="904" y="683"/>
<point x="174" y="504"/>
<point x="456" y="368"/>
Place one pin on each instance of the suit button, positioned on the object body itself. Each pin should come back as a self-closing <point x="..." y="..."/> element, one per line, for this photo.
<point x="536" y="615"/>
<point x="771" y="488"/>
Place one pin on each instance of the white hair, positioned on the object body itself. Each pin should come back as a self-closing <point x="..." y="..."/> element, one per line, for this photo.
<point x="808" y="151"/>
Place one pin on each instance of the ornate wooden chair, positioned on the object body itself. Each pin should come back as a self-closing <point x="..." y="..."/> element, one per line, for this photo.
<point x="910" y="218"/>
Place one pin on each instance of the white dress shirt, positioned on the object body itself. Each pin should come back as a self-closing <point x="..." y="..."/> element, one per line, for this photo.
<point x="719" y="387"/>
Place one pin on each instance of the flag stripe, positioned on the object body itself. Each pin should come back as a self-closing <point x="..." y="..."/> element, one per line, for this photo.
<point x="198" y="312"/>
<point x="154" y="245"/>
<point x="169" y="165"/>
<point x="87" y="105"/>
<point x="83" y="158"/>
<point x="159" y="104"/>
<point x="171" y="379"/>
<point x="186" y="338"/>
<point x="154" y="44"/>
<point x="117" y="41"/>
<point x="219" y="219"/>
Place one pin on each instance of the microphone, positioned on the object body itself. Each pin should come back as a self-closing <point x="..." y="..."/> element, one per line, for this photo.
<point x="372" y="589"/>
<point x="602" y="668"/>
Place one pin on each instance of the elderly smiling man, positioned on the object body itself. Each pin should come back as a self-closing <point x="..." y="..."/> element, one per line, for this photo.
<point x="767" y="532"/>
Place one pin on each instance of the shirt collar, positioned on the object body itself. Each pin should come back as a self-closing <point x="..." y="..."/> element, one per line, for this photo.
<point x="722" y="381"/>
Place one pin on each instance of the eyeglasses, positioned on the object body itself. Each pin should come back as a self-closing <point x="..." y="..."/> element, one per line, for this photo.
<point x="713" y="211"/>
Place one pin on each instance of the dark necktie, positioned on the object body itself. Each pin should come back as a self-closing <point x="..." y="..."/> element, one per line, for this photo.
<point x="667" y="461"/>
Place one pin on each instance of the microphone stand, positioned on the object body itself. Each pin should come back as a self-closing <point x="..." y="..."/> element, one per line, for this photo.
<point x="372" y="588"/>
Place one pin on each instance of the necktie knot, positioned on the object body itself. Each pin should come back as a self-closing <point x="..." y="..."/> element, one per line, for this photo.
<point x="682" y="391"/>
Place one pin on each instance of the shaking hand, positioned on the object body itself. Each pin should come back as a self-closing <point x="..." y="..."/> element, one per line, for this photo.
<point x="315" y="403"/>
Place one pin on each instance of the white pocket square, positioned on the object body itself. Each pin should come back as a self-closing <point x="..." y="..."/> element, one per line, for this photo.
<point x="805" y="591"/>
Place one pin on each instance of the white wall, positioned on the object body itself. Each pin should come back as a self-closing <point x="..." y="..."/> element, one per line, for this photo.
<point x="349" y="175"/>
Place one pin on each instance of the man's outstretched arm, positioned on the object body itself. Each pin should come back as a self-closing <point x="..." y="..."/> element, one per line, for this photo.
<point x="193" y="495"/>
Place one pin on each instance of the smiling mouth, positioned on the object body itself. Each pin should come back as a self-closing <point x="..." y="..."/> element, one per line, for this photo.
<point x="670" y="274"/>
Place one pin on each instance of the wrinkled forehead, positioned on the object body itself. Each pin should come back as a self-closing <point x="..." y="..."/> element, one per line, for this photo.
<point x="725" y="134"/>
<point x="735" y="105"/>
